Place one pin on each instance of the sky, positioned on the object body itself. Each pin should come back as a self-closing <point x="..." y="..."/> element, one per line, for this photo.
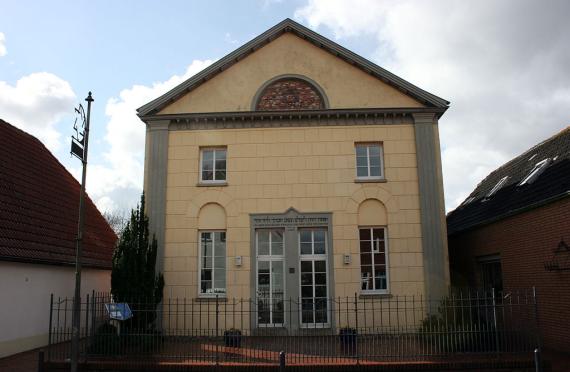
<point x="503" y="65"/>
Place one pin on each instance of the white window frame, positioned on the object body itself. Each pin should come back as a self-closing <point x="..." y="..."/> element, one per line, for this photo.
<point x="375" y="291"/>
<point x="270" y="258"/>
<point x="312" y="258"/>
<point x="368" y="145"/>
<point x="535" y="172"/>
<point x="497" y="187"/>
<point x="200" y="258"/>
<point x="214" y="149"/>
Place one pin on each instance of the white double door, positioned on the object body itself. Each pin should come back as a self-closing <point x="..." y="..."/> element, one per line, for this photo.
<point x="300" y="293"/>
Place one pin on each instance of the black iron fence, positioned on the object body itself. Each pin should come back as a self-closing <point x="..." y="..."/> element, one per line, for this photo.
<point x="346" y="330"/>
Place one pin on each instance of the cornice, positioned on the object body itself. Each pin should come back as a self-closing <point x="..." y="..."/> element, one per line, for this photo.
<point x="300" y="118"/>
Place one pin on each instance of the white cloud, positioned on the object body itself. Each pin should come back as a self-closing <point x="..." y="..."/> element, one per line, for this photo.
<point x="229" y="39"/>
<point x="267" y="3"/>
<point x="503" y="65"/>
<point x="36" y="103"/>
<point x="2" y="45"/>
<point x="116" y="184"/>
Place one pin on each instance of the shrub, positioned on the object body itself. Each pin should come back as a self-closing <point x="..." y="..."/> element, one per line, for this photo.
<point x="133" y="277"/>
<point x="106" y="341"/>
<point x="451" y="329"/>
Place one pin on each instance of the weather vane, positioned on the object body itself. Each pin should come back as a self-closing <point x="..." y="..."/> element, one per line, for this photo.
<point x="78" y="140"/>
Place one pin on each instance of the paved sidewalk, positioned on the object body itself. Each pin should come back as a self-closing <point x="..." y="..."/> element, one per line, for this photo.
<point x="22" y="362"/>
<point x="28" y="361"/>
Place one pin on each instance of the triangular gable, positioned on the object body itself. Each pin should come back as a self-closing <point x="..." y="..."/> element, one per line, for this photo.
<point x="289" y="26"/>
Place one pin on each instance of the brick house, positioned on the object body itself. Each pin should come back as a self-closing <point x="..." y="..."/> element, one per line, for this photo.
<point x="39" y="205"/>
<point x="301" y="170"/>
<point x="513" y="231"/>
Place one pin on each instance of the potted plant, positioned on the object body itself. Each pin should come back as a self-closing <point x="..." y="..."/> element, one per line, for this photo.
<point x="232" y="337"/>
<point x="348" y="339"/>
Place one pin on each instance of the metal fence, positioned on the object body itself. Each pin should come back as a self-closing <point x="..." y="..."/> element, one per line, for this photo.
<point x="347" y="330"/>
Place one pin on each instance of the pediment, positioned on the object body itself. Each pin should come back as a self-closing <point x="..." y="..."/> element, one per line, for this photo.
<point x="346" y="79"/>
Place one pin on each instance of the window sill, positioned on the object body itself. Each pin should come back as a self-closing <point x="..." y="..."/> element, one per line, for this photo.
<point x="374" y="295"/>
<point x="211" y="184"/>
<point x="370" y="180"/>
<point x="211" y="299"/>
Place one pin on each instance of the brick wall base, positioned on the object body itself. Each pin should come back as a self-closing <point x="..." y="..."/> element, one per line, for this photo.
<point x="525" y="242"/>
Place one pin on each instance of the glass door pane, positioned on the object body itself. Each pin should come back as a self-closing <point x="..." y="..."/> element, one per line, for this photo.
<point x="270" y="279"/>
<point x="277" y="292"/>
<point x="314" y="277"/>
<point x="263" y="290"/>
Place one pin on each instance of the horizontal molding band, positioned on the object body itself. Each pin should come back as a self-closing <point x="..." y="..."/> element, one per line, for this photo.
<point x="301" y="118"/>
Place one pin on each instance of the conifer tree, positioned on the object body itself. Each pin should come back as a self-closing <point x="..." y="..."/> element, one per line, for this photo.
<point x="134" y="278"/>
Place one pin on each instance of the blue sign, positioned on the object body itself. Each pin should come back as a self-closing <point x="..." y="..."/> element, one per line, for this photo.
<point x="119" y="311"/>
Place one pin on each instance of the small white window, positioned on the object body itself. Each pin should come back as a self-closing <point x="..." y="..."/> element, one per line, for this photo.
<point x="213" y="165"/>
<point x="369" y="161"/>
<point x="497" y="187"/>
<point x="535" y="172"/>
<point x="212" y="263"/>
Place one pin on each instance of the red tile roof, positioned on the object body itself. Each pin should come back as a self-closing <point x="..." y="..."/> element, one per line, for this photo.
<point x="39" y="206"/>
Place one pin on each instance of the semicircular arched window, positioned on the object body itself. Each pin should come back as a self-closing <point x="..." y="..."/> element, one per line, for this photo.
<point x="290" y="94"/>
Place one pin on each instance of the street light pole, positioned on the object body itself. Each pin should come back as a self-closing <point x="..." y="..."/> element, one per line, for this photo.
<point x="79" y="148"/>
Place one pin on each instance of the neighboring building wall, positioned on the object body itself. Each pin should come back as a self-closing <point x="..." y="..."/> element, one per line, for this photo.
<point x="525" y="242"/>
<point x="26" y="290"/>
<point x="311" y="169"/>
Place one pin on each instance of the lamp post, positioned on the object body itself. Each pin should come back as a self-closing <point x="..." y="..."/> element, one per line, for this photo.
<point x="79" y="146"/>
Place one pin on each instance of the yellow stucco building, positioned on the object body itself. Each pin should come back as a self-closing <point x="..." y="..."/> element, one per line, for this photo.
<point x="294" y="168"/>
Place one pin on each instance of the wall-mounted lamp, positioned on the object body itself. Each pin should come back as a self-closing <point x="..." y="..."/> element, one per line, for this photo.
<point x="347" y="259"/>
<point x="238" y="260"/>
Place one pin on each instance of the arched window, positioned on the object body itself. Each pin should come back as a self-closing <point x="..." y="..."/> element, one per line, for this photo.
<point x="289" y="93"/>
<point x="373" y="241"/>
<point x="212" y="248"/>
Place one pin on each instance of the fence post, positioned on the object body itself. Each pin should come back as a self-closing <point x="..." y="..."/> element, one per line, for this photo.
<point x="538" y="339"/>
<point x="356" y="324"/>
<point x="93" y="315"/>
<point x="86" y="326"/>
<point x="537" y="360"/>
<point x="281" y="361"/>
<point x="497" y="348"/>
<point x="217" y="318"/>
<point x="537" y="356"/>
<point x="41" y="361"/>
<point x="50" y="324"/>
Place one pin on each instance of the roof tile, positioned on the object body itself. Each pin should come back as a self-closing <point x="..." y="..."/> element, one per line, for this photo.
<point x="510" y="198"/>
<point x="39" y="205"/>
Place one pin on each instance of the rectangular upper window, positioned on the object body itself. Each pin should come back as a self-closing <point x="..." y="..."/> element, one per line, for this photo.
<point x="213" y="165"/>
<point x="212" y="263"/>
<point x="373" y="260"/>
<point x="369" y="161"/>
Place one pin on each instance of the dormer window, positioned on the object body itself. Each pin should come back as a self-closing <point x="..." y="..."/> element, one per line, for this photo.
<point x="497" y="187"/>
<point x="535" y="172"/>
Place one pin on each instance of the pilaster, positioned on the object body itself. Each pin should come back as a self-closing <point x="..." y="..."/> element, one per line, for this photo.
<point x="156" y="166"/>
<point x="432" y="208"/>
